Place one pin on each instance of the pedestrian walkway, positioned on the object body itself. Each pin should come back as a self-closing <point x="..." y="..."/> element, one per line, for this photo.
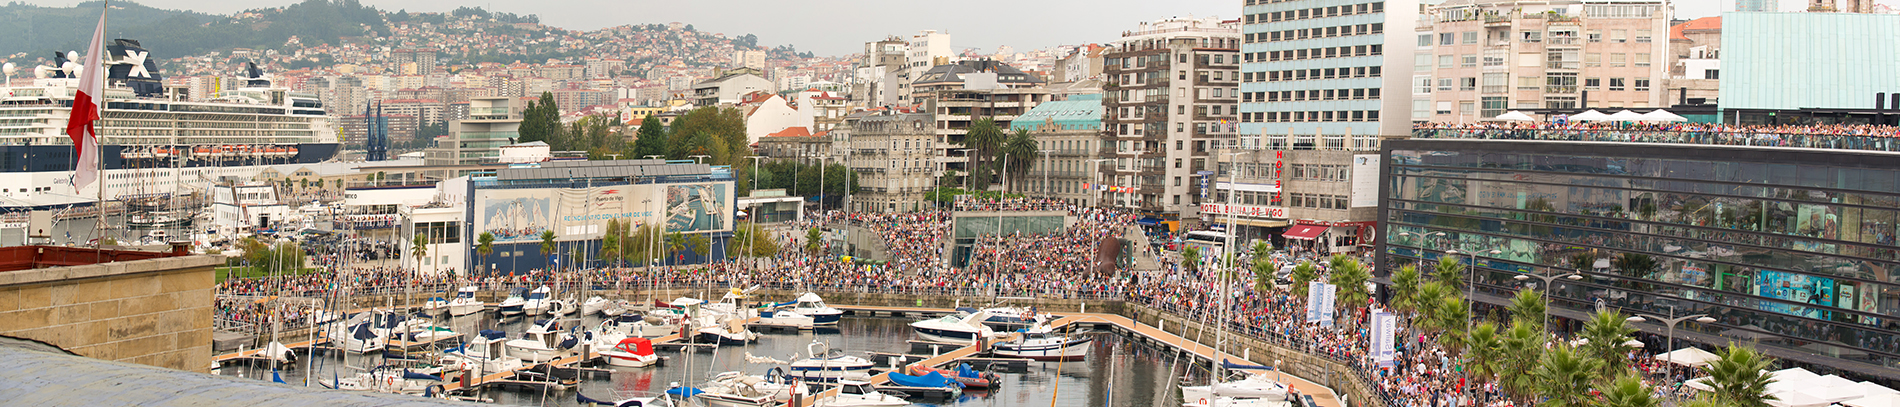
<point x="1144" y="258"/>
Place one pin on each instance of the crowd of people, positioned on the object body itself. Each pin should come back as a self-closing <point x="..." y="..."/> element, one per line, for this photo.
<point x="1061" y="262"/>
<point x="1828" y="136"/>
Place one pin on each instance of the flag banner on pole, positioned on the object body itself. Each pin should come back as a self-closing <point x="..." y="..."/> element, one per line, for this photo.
<point x="86" y="102"/>
<point x="1384" y="333"/>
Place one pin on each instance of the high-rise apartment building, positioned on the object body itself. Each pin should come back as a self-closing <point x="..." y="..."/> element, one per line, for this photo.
<point x="1174" y="87"/>
<point x="1476" y="60"/>
<point x="423" y="58"/>
<point x="492" y="122"/>
<point x="927" y="47"/>
<point x="1322" y="82"/>
<point x="754" y="59"/>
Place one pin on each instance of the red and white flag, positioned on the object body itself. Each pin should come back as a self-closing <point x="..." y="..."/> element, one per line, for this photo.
<point x="86" y="104"/>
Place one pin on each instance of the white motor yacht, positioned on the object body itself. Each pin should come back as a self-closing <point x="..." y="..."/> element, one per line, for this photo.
<point x="827" y="365"/>
<point x="616" y="308"/>
<point x="859" y="393"/>
<point x="359" y="337"/>
<point x="811" y="305"/>
<point x="594" y="305"/>
<point x="562" y="307"/>
<point x="962" y="329"/>
<point x="657" y="322"/>
<point x="384" y="379"/>
<point x="723" y="331"/>
<point x="435" y="306"/>
<point x="537" y="302"/>
<point x="734" y="389"/>
<point x="1040" y="343"/>
<point x="542" y="342"/>
<point x="787" y="319"/>
<point x="465" y="302"/>
<point x="513" y="305"/>
<point x="485" y="353"/>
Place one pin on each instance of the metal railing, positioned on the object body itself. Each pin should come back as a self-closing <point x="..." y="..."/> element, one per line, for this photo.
<point x="1751" y="139"/>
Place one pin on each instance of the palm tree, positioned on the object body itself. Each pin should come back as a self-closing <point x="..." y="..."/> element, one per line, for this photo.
<point x="1635" y="265"/>
<point x="1449" y="271"/>
<point x="419" y="247"/>
<point x="1191" y="259"/>
<point x="547" y="242"/>
<point x="1021" y="150"/>
<point x="985" y="139"/>
<point x="1628" y="391"/>
<point x="1739" y="377"/>
<point x="1351" y="279"/>
<point x="812" y="237"/>
<point x="1521" y="347"/>
<point x="1303" y="276"/>
<point x="485" y="245"/>
<point x="1606" y="332"/>
<point x="1426" y="302"/>
<point x="1563" y="377"/>
<point x="1452" y="314"/>
<point x="1262" y="266"/>
<point x="1405" y="287"/>
<point x="1486" y="347"/>
<point x="1528" y="306"/>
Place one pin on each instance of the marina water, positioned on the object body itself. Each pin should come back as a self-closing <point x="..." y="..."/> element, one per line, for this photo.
<point x="1140" y="373"/>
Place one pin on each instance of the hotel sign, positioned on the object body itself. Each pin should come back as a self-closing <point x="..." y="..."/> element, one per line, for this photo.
<point x="1276" y="212"/>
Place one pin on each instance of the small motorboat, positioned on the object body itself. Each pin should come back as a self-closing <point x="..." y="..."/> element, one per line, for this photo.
<point x="859" y="393"/>
<point x="657" y="322"/>
<point x="827" y="365"/>
<point x="465" y="302"/>
<point x="810" y="305"/>
<point x="562" y="307"/>
<point x="637" y="399"/>
<point x="961" y="328"/>
<point x="594" y="305"/>
<point x="928" y="384"/>
<point x="537" y="302"/>
<point x="786" y="319"/>
<point x="360" y="337"/>
<point x="631" y="352"/>
<point x="513" y="305"/>
<point x="970" y="378"/>
<point x="1040" y="343"/>
<point x="616" y="308"/>
<point x="485" y="353"/>
<point x="275" y="351"/>
<point x="730" y="331"/>
<point x="734" y="389"/>
<point x="435" y="306"/>
<point x="542" y="342"/>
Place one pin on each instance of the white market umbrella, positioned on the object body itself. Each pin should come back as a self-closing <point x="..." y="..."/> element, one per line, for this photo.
<point x="1831" y="388"/>
<point x="1875" y="400"/>
<point x="1796" y="399"/>
<point x="1589" y="116"/>
<point x="1662" y="116"/>
<point x="1516" y="116"/>
<point x="1689" y="356"/>
<point x="1699" y="383"/>
<point x="1626" y="116"/>
<point x="1791" y="375"/>
<point x="1873" y="389"/>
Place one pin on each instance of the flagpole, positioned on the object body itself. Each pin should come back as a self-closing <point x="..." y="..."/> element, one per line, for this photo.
<point x="99" y="228"/>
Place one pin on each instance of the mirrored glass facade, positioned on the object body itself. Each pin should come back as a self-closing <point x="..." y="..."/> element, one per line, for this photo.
<point x="1792" y="248"/>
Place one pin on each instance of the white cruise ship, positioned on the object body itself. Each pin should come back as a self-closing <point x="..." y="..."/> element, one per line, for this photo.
<point x="154" y="140"/>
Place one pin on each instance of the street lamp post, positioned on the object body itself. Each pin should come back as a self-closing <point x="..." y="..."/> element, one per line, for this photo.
<point x="699" y="158"/>
<point x="1233" y="174"/>
<point x="1045" y="174"/>
<point x="967" y="171"/>
<point x="1670" y="322"/>
<point x="654" y="156"/>
<point x="1547" y="279"/>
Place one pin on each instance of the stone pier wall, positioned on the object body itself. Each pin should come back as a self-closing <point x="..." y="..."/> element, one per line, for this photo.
<point x="152" y="312"/>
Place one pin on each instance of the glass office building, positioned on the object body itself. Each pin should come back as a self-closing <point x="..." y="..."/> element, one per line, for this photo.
<point x="1789" y="248"/>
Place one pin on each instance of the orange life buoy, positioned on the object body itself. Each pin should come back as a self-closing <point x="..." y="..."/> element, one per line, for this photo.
<point x="1203" y="401"/>
<point x="389" y="381"/>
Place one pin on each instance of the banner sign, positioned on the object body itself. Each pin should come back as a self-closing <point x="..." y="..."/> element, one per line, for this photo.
<point x="1319" y="303"/>
<point x="1384" y="332"/>
<point x="1276" y="212"/>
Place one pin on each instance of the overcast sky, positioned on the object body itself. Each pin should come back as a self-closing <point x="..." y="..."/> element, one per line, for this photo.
<point x="838" y="27"/>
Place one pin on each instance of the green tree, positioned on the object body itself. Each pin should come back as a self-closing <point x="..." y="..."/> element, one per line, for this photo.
<point x="677" y="243"/>
<point x="1486" y="349"/>
<point x="1528" y="307"/>
<point x="1606" y="332"/>
<point x="1262" y="266"/>
<point x="547" y="242"/>
<point x="1351" y="279"/>
<point x="1303" y="275"/>
<point x="751" y="240"/>
<point x="485" y="246"/>
<point x="541" y="121"/>
<point x="1452" y="315"/>
<point x="813" y="241"/>
<point x="1629" y="391"/>
<point x="1426" y="301"/>
<point x="987" y="142"/>
<point x="1564" y="376"/>
<point x="1738" y="377"/>
<point x="1191" y="259"/>
<point x="610" y="244"/>
<point x="726" y="124"/>
<point x="651" y="139"/>
<point x="1520" y="348"/>
<point x="419" y="247"/>
<point x="1021" y="149"/>
<point x="701" y="143"/>
<point x="1405" y="284"/>
<point x="1449" y="271"/>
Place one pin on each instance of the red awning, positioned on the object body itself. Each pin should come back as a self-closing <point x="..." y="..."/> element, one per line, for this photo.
<point x="1303" y="232"/>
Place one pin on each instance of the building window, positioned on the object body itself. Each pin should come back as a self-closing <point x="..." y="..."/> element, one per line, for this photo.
<point x="1494" y="82"/>
<point x="1468" y="61"/>
<point x="1466" y="108"/>
<point x="1424" y="40"/>
<point x="1642" y="59"/>
<point x="1471" y="37"/>
<point x="1444" y="108"/>
<point x="1531" y="36"/>
<point x="1446" y="61"/>
<point x="1642" y="36"/>
<point x="1592" y="60"/>
<point x="1421" y="109"/>
<point x="1642" y="84"/>
<point x="1495" y="57"/>
<point x="1444" y="84"/>
<point x="1467" y="84"/>
<point x="1616" y="84"/>
<point x="1592" y="83"/>
<point x="1595" y="35"/>
<point x="1493" y="106"/>
<point x="1618" y="59"/>
<point x="1619" y="36"/>
<point x="1532" y="82"/>
<point x="1447" y="38"/>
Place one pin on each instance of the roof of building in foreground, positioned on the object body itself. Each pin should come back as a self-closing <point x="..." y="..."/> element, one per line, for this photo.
<point x="38" y="374"/>
<point x="1078" y="110"/>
